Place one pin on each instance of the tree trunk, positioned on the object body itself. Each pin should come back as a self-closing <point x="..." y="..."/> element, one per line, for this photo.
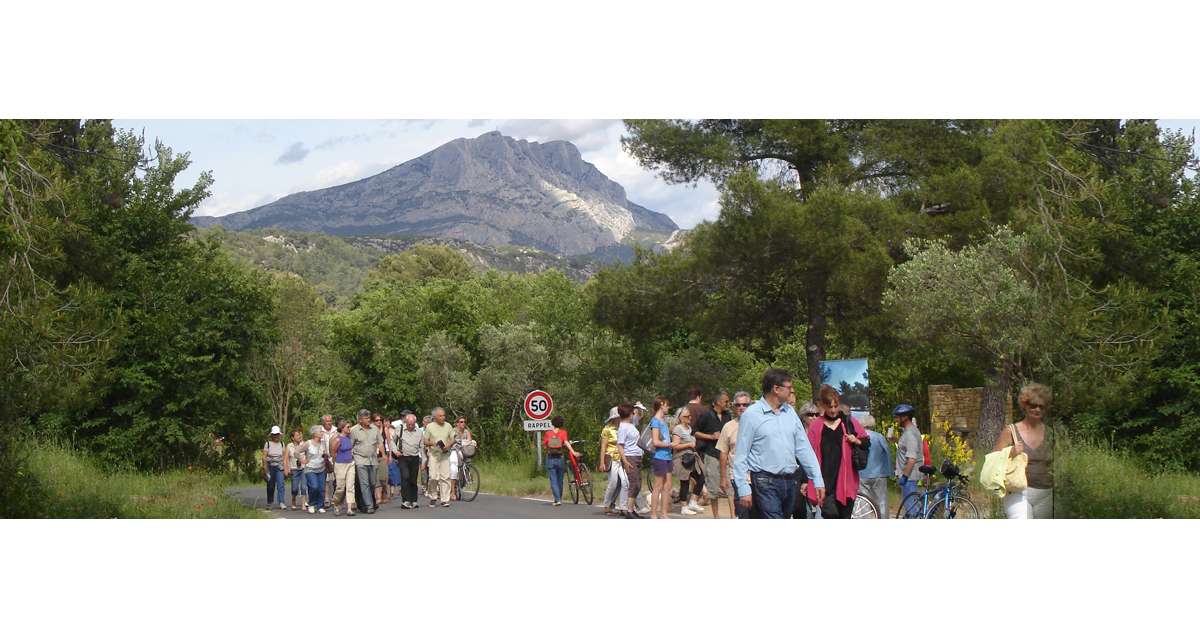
<point x="993" y="412"/>
<point x="814" y="341"/>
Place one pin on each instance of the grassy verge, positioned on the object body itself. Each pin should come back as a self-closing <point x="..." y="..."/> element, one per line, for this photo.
<point x="1098" y="482"/>
<point x="70" y="485"/>
<point x="509" y="478"/>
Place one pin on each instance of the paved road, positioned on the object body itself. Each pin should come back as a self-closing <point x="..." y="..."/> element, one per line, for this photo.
<point x="484" y="506"/>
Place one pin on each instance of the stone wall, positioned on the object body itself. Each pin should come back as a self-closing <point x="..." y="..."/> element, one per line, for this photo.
<point x="959" y="406"/>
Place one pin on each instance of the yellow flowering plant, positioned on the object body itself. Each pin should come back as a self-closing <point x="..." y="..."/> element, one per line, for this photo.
<point x="946" y="444"/>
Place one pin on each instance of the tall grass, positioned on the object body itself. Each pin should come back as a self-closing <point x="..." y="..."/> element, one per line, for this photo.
<point x="72" y="485"/>
<point x="1095" y="481"/>
<point x="522" y="478"/>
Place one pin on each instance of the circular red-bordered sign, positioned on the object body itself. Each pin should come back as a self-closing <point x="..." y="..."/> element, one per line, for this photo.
<point x="538" y="404"/>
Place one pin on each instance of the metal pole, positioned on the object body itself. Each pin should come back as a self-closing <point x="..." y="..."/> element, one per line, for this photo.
<point x="537" y="446"/>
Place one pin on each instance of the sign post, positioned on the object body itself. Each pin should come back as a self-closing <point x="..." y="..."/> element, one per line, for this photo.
<point x="538" y="406"/>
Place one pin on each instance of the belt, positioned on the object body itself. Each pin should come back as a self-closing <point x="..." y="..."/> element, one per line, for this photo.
<point x="785" y="477"/>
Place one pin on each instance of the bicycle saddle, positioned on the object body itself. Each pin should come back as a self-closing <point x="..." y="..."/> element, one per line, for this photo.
<point x="928" y="469"/>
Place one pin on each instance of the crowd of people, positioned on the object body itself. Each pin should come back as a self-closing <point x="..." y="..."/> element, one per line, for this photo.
<point x="764" y="458"/>
<point x="771" y="459"/>
<point x="361" y="467"/>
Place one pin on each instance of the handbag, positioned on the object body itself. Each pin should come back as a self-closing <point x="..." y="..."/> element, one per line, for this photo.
<point x="1003" y="473"/>
<point x="859" y="454"/>
<point x="1014" y="474"/>
<point x="646" y="439"/>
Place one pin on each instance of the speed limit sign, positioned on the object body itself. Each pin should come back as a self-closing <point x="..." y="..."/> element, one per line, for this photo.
<point x="538" y="405"/>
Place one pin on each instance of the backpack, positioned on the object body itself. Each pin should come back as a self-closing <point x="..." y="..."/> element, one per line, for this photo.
<point x="554" y="443"/>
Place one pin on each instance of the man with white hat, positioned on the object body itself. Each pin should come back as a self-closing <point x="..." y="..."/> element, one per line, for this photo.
<point x="273" y="467"/>
<point x="618" y="482"/>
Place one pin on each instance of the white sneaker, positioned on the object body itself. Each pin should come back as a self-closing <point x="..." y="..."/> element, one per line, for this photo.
<point x="321" y="510"/>
<point x="644" y="511"/>
<point x="312" y="510"/>
<point x="687" y="511"/>
<point x="282" y="506"/>
<point x="696" y="506"/>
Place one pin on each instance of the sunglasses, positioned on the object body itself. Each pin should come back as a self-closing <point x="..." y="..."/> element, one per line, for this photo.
<point x="812" y="414"/>
<point x="741" y="405"/>
<point x="1036" y="406"/>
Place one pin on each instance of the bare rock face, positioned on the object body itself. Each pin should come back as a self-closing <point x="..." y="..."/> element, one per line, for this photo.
<point x="492" y="190"/>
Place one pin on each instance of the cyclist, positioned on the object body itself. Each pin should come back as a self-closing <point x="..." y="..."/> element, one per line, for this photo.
<point x="554" y="442"/>
<point x="461" y="435"/>
<point x="909" y="450"/>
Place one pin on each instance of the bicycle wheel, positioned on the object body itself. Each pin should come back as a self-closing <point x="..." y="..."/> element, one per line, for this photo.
<point x="571" y="485"/>
<point x="910" y="507"/>
<point x="864" y="508"/>
<point x="960" y="507"/>
<point x="468" y="484"/>
<point x="585" y="483"/>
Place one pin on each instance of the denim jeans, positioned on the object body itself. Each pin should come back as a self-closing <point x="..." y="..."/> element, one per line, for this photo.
<point x="299" y="485"/>
<point x="909" y="486"/>
<point x="316" y="485"/>
<point x="366" y="485"/>
<point x="274" y="484"/>
<point x="772" y="496"/>
<point x="556" y="468"/>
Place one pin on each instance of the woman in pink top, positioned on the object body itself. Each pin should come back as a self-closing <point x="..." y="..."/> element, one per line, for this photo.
<point x="831" y="435"/>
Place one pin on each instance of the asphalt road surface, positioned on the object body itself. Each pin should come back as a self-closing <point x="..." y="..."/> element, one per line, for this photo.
<point x="484" y="506"/>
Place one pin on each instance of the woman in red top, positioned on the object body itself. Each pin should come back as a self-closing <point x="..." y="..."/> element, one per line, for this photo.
<point x="555" y="442"/>
<point x="831" y="435"/>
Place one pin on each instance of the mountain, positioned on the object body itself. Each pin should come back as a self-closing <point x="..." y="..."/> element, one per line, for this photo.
<point x="492" y="190"/>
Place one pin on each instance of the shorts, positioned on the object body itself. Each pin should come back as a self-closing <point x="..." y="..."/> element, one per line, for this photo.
<point x="712" y="476"/>
<point x="660" y="467"/>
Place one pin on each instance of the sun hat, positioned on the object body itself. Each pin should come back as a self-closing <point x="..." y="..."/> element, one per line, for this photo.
<point x="276" y="430"/>
<point x="639" y="406"/>
<point x="613" y="415"/>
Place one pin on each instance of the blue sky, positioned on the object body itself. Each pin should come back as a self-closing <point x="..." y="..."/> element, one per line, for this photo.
<point x="258" y="161"/>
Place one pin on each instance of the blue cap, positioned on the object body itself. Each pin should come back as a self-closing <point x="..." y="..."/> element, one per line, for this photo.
<point x="904" y="408"/>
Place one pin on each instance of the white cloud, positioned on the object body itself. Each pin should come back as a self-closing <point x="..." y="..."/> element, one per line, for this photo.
<point x="219" y="204"/>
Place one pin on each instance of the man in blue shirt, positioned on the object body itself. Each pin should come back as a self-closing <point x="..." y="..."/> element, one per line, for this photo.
<point x="771" y="444"/>
<point x="873" y="480"/>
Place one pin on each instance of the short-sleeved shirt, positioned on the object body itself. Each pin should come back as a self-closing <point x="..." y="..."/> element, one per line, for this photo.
<point x="366" y="444"/>
<point x="709" y="422"/>
<point x="443" y="433"/>
<point x="295" y="455"/>
<point x="561" y="436"/>
<point x="662" y="453"/>
<point x="274" y="453"/>
<point x="410" y="442"/>
<point x="627" y="438"/>
<point x="910" y="447"/>
<point x="608" y="434"/>
<point x="727" y="442"/>
<point x="314" y="453"/>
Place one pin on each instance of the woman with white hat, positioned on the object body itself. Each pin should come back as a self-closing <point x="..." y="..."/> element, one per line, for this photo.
<point x="618" y="483"/>
<point x="273" y="467"/>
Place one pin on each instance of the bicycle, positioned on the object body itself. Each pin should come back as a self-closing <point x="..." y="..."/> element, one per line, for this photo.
<point x="864" y="507"/>
<point x="580" y="477"/>
<point x="945" y="500"/>
<point x="467" y="487"/>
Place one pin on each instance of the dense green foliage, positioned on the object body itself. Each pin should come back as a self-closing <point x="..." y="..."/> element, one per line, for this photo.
<point x="962" y="252"/>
